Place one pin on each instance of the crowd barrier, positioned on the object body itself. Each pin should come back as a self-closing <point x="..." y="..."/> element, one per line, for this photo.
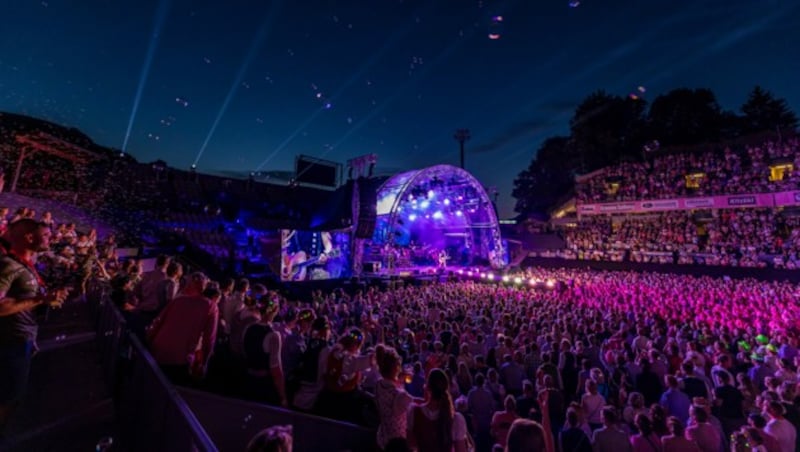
<point x="242" y="420"/>
<point x="766" y="274"/>
<point x="155" y="416"/>
<point x="151" y="414"/>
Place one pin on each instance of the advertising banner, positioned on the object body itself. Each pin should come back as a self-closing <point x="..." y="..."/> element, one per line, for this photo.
<point x="708" y="202"/>
<point x="787" y="198"/>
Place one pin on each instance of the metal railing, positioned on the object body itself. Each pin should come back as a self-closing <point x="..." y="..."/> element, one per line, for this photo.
<point x="151" y="414"/>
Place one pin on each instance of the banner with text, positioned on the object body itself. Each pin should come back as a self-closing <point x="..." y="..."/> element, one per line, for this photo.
<point x="789" y="198"/>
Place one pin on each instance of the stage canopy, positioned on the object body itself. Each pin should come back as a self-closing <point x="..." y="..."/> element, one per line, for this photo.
<point x="440" y="208"/>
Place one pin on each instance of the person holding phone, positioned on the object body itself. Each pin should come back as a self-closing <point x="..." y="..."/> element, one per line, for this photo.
<point x="21" y="290"/>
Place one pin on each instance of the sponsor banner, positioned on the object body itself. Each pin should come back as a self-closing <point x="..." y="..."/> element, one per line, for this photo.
<point x="709" y="202"/>
<point x="619" y="207"/>
<point x="787" y="198"/>
<point x="665" y="204"/>
<point x="698" y="203"/>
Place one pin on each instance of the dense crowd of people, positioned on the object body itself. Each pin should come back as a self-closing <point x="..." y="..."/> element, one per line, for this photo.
<point x="601" y="361"/>
<point x="591" y="361"/>
<point x="732" y="237"/>
<point x="717" y="173"/>
<point x="595" y="361"/>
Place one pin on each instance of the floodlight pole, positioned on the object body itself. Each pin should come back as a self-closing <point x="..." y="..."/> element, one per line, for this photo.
<point x="462" y="136"/>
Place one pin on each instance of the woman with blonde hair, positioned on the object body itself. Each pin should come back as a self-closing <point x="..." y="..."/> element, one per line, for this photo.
<point x="391" y="399"/>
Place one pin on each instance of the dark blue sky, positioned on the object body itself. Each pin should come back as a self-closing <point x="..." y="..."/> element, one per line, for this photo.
<point x="400" y="76"/>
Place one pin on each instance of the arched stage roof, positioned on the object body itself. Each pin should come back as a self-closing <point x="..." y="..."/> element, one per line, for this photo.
<point x="443" y="198"/>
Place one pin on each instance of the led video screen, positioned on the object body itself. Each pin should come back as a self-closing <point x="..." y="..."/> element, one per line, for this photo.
<point x="315" y="255"/>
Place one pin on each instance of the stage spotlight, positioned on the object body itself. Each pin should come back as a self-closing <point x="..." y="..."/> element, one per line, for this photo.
<point x="438" y="215"/>
<point x="483" y="275"/>
<point x="517" y="280"/>
<point x="461" y="272"/>
<point x="446" y="202"/>
<point x="430" y="194"/>
<point x="550" y="283"/>
<point x="469" y="273"/>
<point x="506" y="278"/>
<point x="412" y="217"/>
<point x="490" y="276"/>
<point x="532" y="282"/>
<point x="459" y="213"/>
<point x="425" y="204"/>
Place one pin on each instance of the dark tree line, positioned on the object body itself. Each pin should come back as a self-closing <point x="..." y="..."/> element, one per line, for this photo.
<point x="607" y="129"/>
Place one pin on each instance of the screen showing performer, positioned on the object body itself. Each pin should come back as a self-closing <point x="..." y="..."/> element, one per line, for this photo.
<point x="314" y="255"/>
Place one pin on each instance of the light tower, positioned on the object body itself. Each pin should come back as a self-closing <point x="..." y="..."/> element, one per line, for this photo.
<point x="462" y="135"/>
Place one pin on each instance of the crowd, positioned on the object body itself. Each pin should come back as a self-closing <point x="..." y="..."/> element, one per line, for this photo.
<point x="600" y="361"/>
<point x="731" y="237"/>
<point x="727" y="172"/>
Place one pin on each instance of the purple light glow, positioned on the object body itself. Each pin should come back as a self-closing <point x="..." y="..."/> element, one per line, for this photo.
<point x="447" y="201"/>
<point x="459" y="213"/>
<point x="438" y="215"/>
<point x="430" y="194"/>
<point x="412" y="217"/>
<point x="425" y="204"/>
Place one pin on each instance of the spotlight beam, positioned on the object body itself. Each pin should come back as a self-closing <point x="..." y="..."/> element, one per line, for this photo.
<point x="158" y="24"/>
<point x="380" y="108"/>
<point x="353" y="79"/>
<point x="255" y="46"/>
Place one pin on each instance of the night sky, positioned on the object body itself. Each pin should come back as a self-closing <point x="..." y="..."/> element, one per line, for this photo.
<point x="251" y="84"/>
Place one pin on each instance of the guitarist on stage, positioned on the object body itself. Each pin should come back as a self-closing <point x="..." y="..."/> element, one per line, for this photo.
<point x="443" y="258"/>
<point x="311" y="256"/>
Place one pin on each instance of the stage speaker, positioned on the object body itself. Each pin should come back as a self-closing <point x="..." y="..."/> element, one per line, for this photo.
<point x="367" y="211"/>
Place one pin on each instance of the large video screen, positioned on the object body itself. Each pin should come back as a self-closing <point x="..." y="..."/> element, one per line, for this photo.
<point x="315" y="255"/>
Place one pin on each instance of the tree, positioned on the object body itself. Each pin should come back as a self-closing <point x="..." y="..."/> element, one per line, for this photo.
<point x="607" y="128"/>
<point x="549" y="176"/>
<point x="685" y="116"/>
<point x="763" y="112"/>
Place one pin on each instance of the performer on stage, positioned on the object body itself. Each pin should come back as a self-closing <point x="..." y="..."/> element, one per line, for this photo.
<point x="311" y="256"/>
<point x="443" y="258"/>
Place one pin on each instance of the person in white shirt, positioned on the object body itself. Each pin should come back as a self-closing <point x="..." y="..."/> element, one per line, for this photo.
<point x="781" y="429"/>
<point x="233" y="304"/>
<point x="592" y="404"/>
<point x="391" y="399"/>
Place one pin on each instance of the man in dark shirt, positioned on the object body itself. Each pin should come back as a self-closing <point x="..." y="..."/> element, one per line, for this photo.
<point x="21" y="290"/>
<point x="729" y="402"/>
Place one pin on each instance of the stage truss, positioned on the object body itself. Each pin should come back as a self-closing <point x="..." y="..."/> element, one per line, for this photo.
<point x="440" y="206"/>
